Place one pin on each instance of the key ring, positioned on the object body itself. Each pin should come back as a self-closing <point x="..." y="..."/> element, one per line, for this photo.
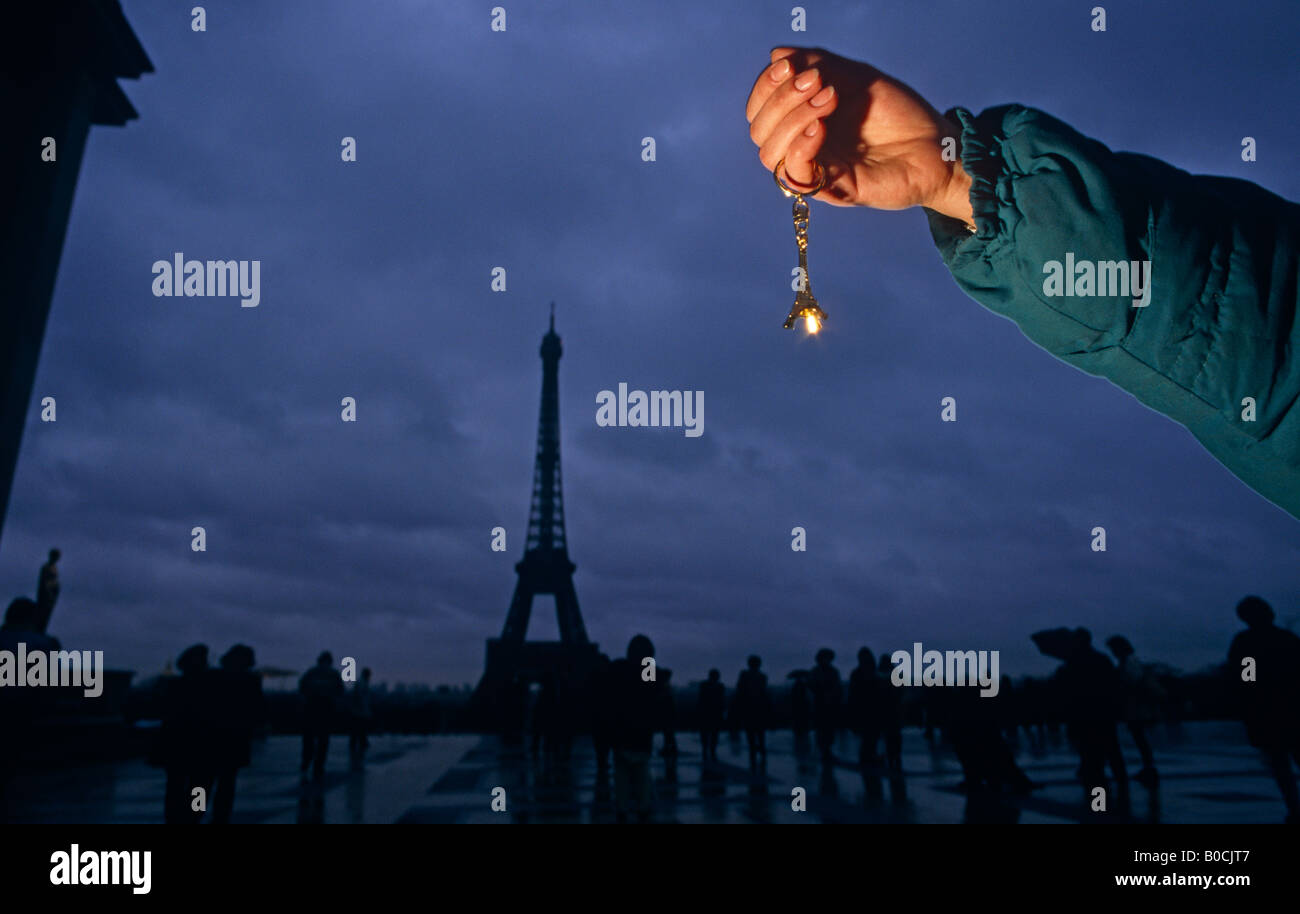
<point x="790" y="191"/>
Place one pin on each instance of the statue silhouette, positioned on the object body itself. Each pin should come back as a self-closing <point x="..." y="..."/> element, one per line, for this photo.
<point x="47" y="590"/>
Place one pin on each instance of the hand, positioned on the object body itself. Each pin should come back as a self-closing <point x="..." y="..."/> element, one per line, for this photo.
<point x="879" y="142"/>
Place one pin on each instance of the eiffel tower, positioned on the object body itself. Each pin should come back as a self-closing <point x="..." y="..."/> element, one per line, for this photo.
<point x="513" y="661"/>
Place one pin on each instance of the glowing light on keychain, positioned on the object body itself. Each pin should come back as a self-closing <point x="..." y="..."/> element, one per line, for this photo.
<point x="805" y="305"/>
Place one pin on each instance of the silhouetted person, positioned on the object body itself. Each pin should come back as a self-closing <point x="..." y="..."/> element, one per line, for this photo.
<point x="891" y="715"/>
<point x="361" y="713"/>
<point x="752" y="707"/>
<point x="47" y="590"/>
<point x="187" y="749"/>
<point x="828" y="694"/>
<point x="1140" y="703"/>
<point x="20" y="626"/>
<point x="639" y="703"/>
<point x="321" y="688"/>
<point x="931" y="714"/>
<point x="537" y="711"/>
<point x="548" y="710"/>
<point x="1033" y="711"/>
<point x="1270" y="704"/>
<point x="547" y="719"/>
<point x="711" y="710"/>
<point x="20" y="707"/>
<point x="863" y="706"/>
<point x="1007" y="704"/>
<point x="1091" y="692"/>
<point x="667" y="712"/>
<point x="604" y="712"/>
<point x="514" y="714"/>
<point x="800" y="711"/>
<point x="972" y="724"/>
<point x="554" y="711"/>
<point x="237" y="713"/>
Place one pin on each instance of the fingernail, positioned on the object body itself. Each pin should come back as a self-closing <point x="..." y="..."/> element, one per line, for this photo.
<point x="805" y="79"/>
<point x="822" y="97"/>
<point x="780" y="70"/>
<point x="811" y="129"/>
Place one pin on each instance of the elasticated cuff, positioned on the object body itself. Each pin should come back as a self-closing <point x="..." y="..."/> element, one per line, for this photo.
<point x="980" y="143"/>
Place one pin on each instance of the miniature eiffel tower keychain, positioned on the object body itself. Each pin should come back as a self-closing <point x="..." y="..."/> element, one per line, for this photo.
<point x="805" y="305"/>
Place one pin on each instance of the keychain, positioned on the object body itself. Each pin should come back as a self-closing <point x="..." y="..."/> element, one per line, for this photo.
<point x="805" y="305"/>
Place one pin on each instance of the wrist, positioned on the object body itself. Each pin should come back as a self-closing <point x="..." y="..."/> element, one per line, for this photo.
<point x="954" y="202"/>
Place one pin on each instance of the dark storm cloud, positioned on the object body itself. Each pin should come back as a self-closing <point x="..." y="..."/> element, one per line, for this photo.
<point x="522" y="150"/>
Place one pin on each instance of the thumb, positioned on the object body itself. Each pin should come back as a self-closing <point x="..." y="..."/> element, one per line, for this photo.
<point x="800" y="159"/>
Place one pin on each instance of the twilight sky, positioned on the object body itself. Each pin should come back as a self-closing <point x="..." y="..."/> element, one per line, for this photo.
<point x="522" y="149"/>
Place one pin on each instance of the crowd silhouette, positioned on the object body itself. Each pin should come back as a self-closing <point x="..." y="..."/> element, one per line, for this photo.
<point x="210" y="715"/>
<point x="1089" y="696"/>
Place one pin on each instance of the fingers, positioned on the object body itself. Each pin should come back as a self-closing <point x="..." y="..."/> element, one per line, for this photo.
<point x="792" y="134"/>
<point x="785" y="61"/>
<point x="785" y="110"/>
<point x="800" y="170"/>
<point x="787" y="97"/>
<point x="767" y="83"/>
<point x="800" y="57"/>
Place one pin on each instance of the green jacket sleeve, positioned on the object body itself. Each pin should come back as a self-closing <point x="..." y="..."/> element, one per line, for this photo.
<point x="1220" y="322"/>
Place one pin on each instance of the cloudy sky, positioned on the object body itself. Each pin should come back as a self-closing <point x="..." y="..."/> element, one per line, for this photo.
<point x="479" y="149"/>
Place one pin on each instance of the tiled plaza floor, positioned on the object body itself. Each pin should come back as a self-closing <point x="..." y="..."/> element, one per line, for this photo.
<point x="1208" y="775"/>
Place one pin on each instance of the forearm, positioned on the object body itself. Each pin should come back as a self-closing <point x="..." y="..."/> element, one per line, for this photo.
<point x="1214" y="324"/>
